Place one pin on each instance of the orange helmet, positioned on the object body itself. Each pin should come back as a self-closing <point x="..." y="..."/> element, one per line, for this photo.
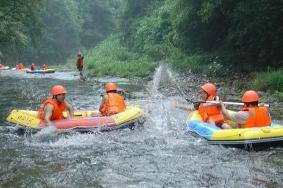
<point x="110" y="87"/>
<point x="210" y="89"/>
<point x="58" y="89"/>
<point x="250" y="96"/>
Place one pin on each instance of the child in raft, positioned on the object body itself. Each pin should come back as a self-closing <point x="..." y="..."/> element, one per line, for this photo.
<point x="210" y="113"/>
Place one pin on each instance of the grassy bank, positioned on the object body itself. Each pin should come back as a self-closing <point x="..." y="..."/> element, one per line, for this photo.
<point x="270" y="81"/>
<point x="110" y="58"/>
<point x="212" y="66"/>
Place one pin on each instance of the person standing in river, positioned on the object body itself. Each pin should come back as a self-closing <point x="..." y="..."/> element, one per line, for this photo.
<point x="80" y="64"/>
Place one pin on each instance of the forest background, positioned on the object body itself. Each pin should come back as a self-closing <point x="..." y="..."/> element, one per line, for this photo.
<point x="129" y="38"/>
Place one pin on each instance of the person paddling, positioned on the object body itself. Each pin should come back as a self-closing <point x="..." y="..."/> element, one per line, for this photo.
<point x="52" y="108"/>
<point x="210" y="113"/>
<point x="112" y="102"/>
<point x="252" y="114"/>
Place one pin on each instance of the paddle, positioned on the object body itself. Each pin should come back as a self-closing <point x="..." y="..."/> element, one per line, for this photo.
<point x="217" y="102"/>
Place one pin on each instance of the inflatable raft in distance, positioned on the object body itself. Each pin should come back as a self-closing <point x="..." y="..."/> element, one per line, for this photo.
<point x="47" y="71"/>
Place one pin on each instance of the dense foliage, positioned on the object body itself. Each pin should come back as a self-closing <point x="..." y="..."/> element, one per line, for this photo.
<point x="19" y="27"/>
<point x="248" y="34"/>
<point x="49" y="31"/>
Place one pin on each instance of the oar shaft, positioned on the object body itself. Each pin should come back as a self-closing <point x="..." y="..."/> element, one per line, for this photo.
<point x="231" y="103"/>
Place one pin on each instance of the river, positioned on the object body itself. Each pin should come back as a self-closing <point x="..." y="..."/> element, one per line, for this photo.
<point x="161" y="153"/>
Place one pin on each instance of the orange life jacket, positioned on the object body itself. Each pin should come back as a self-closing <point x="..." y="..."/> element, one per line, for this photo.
<point x="211" y="112"/>
<point x="58" y="109"/>
<point x="20" y="66"/>
<point x="113" y="103"/>
<point x="258" y="117"/>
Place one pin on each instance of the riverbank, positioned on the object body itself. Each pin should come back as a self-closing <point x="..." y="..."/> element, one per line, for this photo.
<point x="111" y="58"/>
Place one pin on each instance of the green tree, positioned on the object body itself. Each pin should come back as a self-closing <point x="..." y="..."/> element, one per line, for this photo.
<point x="255" y="35"/>
<point x="241" y="33"/>
<point x="98" y="21"/>
<point x="19" y="28"/>
<point x="60" y="31"/>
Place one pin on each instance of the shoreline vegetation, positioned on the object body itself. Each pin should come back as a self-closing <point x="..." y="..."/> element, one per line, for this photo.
<point x="130" y="38"/>
<point x="111" y="58"/>
<point x="218" y="39"/>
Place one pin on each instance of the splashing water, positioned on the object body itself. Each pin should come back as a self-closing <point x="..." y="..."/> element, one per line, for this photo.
<point x="159" y="154"/>
<point x="153" y="86"/>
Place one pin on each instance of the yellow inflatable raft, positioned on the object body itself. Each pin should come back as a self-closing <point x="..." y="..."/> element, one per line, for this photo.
<point x="216" y="135"/>
<point x="82" y="121"/>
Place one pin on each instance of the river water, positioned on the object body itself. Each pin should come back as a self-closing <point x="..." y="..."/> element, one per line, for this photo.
<point x="161" y="153"/>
